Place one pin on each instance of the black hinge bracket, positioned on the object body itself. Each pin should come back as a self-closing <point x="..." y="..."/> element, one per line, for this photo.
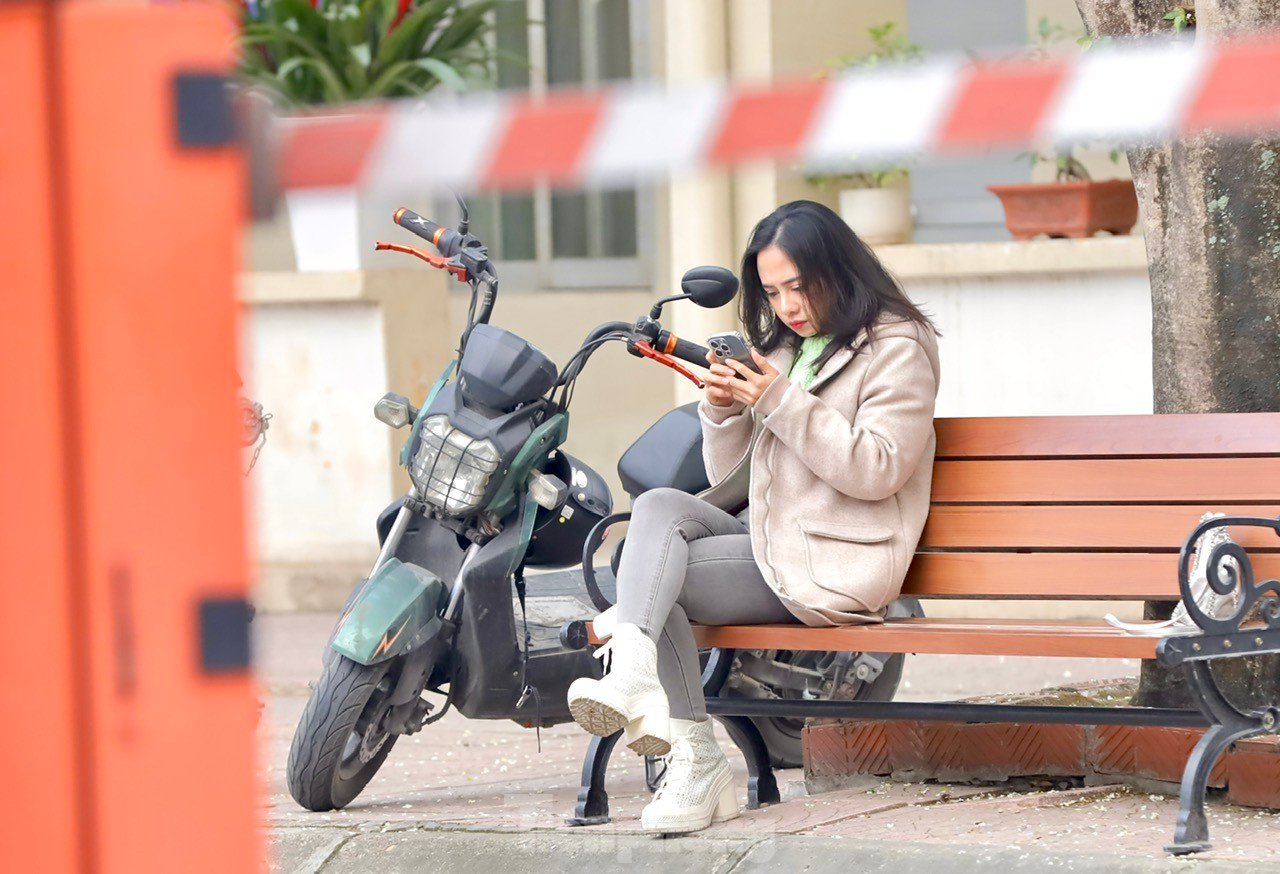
<point x="202" y="111"/>
<point x="224" y="635"/>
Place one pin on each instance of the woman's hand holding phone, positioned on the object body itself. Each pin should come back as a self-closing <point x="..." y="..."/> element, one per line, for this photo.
<point x="717" y="393"/>
<point x="749" y="388"/>
<point x="734" y="381"/>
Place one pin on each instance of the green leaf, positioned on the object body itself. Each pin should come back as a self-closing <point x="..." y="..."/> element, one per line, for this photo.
<point x="357" y="67"/>
<point x="407" y="39"/>
<point x="400" y="76"/>
<point x="1170" y="16"/>
<point x="307" y="19"/>
<point x="334" y="92"/>
<point x="469" y="23"/>
<point x="276" y="36"/>
<point x="332" y="87"/>
<point x="379" y="15"/>
<point x="444" y="72"/>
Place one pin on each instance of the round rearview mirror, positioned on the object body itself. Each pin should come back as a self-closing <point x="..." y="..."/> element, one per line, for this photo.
<point x="709" y="287"/>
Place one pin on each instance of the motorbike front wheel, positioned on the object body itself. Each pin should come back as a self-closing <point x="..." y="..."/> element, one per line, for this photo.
<point x="341" y="742"/>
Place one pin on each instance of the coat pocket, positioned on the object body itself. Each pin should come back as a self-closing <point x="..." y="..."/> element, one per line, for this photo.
<point x="854" y="561"/>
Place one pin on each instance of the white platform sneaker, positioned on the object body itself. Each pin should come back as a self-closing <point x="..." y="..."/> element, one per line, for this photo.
<point x="698" y="787"/>
<point x="629" y="697"/>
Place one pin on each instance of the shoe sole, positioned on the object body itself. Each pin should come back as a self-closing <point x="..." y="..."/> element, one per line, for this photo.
<point x="649" y="745"/>
<point x="596" y="717"/>
<point x="602" y="720"/>
<point x="686" y="828"/>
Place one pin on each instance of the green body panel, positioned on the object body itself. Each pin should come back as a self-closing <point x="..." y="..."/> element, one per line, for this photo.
<point x="397" y="610"/>
<point x="528" y="513"/>
<point x="422" y="412"/>
<point x="532" y="455"/>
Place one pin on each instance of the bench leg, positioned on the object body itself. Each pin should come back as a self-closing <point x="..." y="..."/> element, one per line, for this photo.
<point x="593" y="801"/>
<point x="1227" y="725"/>
<point x="762" y="788"/>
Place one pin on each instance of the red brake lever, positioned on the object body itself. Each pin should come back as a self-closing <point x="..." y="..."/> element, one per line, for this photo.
<point x="436" y="261"/>
<point x="649" y="352"/>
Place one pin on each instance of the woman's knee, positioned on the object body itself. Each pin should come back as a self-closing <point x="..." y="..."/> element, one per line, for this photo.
<point x="666" y="501"/>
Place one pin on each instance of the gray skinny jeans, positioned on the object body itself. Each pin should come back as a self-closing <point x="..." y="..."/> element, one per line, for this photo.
<point x="687" y="560"/>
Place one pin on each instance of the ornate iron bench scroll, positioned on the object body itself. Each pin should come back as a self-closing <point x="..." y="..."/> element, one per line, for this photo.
<point x="1220" y="638"/>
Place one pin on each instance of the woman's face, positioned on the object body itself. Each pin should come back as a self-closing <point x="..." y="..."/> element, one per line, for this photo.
<point x="785" y="290"/>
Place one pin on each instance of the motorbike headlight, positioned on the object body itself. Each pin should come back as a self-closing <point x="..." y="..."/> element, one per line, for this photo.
<point x="450" y="469"/>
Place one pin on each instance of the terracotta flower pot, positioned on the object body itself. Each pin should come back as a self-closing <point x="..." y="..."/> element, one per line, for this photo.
<point x="1068" y="209"/>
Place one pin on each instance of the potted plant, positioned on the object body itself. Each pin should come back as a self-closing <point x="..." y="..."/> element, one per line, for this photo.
<point x="305" y="54"/>
<point x="876" y="201"/>
<point x="1073" y="204"/>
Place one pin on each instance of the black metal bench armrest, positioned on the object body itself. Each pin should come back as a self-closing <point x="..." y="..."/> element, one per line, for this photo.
<point x="1175" y="650"/>
<point x="1225" y="580"/>
<point x="1223" y="637"/>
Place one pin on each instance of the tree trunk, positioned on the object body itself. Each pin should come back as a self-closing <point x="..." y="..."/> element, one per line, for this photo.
<point x="1211" y="215"/>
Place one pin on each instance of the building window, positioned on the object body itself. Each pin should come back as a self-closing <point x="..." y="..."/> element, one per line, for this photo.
<point x="952" y="204"/>
<point x="564" y="237"/>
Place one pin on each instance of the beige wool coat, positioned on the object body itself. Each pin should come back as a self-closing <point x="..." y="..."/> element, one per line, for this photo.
<point x="838" y="475"/>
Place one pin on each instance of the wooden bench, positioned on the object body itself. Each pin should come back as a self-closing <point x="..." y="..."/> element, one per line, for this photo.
<point x="1054" y="508"/>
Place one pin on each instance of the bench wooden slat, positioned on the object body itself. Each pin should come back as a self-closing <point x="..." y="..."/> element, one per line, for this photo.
<point x="1043" y="576"/>
<point x="1056" y="481"/>
<point x="1077" y="639"/>
<point x="1149" y="527"/>
<point x="1055" y="576"/>
<point x="1152" y="436"/>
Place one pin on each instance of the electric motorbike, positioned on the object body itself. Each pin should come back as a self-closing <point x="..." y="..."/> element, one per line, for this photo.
<point x="463" y="607"/>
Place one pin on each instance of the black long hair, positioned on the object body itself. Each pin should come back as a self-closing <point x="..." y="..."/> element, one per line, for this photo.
<point x="845" y="284"/>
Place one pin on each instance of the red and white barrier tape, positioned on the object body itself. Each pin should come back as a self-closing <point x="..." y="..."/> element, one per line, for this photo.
<point x="1127" y="94"/>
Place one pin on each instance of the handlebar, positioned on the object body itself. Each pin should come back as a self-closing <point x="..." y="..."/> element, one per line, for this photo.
<point x="467" y="257"/>
<point x="462" y="254"/>
<point x="446" y="240"/>
<point x="685" y="350"/>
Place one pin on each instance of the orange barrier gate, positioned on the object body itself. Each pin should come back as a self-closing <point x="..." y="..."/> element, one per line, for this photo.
<point x="126" y="705"/>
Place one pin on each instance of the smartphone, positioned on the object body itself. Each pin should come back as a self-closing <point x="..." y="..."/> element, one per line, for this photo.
<point x="730" y="344"/>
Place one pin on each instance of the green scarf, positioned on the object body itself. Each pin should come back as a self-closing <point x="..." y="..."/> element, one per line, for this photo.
<point x="806" y="360"/>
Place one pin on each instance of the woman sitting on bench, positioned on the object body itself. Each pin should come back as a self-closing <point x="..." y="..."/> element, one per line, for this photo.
<point x="836" y="434"/>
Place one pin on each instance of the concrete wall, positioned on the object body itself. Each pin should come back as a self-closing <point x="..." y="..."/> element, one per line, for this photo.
<point x="1053" y="327"/>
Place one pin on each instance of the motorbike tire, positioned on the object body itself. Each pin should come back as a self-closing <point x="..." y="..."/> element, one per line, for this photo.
<point x="321" y="774"/>
<point x="782" y="735"/>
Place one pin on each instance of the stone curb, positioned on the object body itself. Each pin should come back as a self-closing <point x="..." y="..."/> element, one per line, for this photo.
<point x="416" y="849"/>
